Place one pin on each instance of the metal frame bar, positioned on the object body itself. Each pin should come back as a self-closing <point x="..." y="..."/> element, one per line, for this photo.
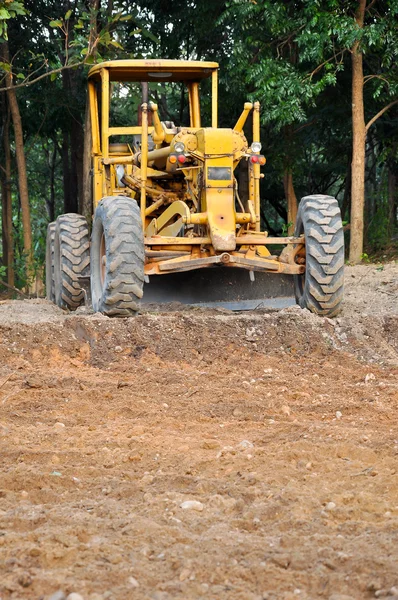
<point x="105" y="113"/>
<point x="214" y="99"/>
<point x="144" y="160"/>
<point x="241" y="240"/>
<point x="256" y="166"/>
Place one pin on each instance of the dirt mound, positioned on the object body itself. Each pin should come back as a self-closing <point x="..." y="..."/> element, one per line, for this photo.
<point x="201" y="453"/>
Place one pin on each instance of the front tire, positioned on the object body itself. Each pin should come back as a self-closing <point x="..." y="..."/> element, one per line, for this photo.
<point x="71" y="259"/>
<point x="320" y="289"/>
<point x="117" y="257"/>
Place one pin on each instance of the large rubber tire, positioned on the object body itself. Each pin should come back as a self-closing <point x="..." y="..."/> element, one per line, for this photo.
<point x="321" y="288"/>
<point x="117" y="257"/>
<point x="71" y="259"/>
<point x="50" y="288"/>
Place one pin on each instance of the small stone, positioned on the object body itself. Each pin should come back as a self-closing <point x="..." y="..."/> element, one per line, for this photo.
<point x="59" y="595"/>
<point x="210" y="444"/>
<point x="285" y="410"/>
<point x="393" y="591"/>
<point x="192" y="505"/>
<point x="34" y="552"/>
<point x="237" y="412"/>
<point x="59" y="426"/>
<point x="24" y="494"/>
<point x="147" y="478"/>
<point x="74" y="596"/>
<point x="134" y="458"/>
<point x="245" y="445"/>
<point x="369" y="377"/>
<point x="118" y="349"/>
<point x="338" y="414"/>
<point x="159" y="595"/>
<point x="184" y="575"/>
<point x="133" y="582"/>
<point x="330" y="506"/>
<point x="25" y="580"/>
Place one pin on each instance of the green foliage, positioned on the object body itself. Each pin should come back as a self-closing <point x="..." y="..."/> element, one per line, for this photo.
<point x="365" y="257"/>
<point x="8" y="10"/>
<point x="286" y="227"/>
<point x="378" y="233"/>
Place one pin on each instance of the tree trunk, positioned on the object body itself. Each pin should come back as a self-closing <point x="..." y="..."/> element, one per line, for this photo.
<point x="392" y="201"/>
<point x="346" y="205"/>
<point x="76" y="161"/>
<point x="66" y="174"/>
<point x="22" y="175"/>
<point x="6" y="197"/>
<point x="358" y="147"/>
<point x="86" y="206"/>
<point x="291" y="200"/>
<point x="52" y="161"/>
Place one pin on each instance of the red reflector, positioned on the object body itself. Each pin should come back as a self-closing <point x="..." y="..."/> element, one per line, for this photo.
<point x="254" y="158"/>
<point x="181" y="158"/>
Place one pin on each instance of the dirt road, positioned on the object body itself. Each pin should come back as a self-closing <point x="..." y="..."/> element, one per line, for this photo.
<point x="201" y="454"/>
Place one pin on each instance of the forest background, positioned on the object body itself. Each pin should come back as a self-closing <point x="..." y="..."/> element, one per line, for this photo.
<point x="325" y="72"/>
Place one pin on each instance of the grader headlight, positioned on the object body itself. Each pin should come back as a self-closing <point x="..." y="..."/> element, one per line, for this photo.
<point x="256" y="147"/>
<point x="179" y="147"/>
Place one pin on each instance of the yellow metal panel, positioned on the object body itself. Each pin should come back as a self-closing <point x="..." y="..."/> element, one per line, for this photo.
<point x="221" y="218"/>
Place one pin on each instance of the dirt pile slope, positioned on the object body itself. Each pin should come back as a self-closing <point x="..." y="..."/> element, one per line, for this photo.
<point x="201" y="454"/>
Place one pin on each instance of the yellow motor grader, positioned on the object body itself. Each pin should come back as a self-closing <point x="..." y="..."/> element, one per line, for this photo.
<point x="166" y="200"/>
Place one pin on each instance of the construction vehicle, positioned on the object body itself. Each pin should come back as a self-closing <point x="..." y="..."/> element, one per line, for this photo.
<point x="166" y="200"/>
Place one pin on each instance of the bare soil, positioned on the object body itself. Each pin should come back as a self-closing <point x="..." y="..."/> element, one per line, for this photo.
<point x="279" y="429"/>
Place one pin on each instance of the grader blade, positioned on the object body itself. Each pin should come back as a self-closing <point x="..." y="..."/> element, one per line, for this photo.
<point x="232" y="289"/>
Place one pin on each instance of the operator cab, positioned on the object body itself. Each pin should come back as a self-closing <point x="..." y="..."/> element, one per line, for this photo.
<point x="114" y="138"/>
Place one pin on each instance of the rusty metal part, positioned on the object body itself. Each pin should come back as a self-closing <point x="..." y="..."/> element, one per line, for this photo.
<point x="290" y="252"/>
<point x="244" y="239"/>
<point x="226" y="259"/>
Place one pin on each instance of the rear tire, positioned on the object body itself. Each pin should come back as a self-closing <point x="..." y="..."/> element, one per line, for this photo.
<point x="320" y="289"/>
<point x="71" y="259"/>
<point x="117" y="257"/>
<point x="50" y="288"/>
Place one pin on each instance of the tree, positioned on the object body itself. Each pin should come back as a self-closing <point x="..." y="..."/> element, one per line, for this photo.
<point x="375" y="24"/>
<point x="7" y="11"/>
<point x="299" y="50"/>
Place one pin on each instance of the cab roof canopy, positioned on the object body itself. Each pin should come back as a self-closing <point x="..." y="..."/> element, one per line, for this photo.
<point x="154" y="70"/>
